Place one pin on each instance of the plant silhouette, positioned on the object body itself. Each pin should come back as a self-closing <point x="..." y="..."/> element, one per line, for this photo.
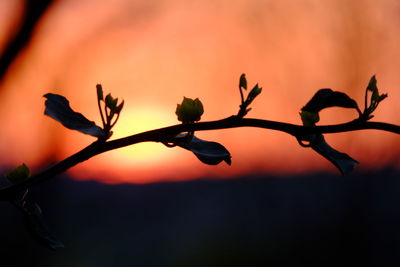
<point x="189" y="113"/>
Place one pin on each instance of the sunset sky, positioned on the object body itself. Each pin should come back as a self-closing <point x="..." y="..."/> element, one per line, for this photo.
<point x="152" y="53"/>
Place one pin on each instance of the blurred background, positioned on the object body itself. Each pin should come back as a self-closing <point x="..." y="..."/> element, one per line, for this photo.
<point x="152" y="205"/>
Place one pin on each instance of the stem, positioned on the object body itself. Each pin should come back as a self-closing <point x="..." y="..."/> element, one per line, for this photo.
<point x="366" y="102"/>
<point x="164" y="135"/>
<point x="107" y="116"/>
<point x="242" y="107"/>
<point x="115" y="121"/>
<point x="241" y="94"/>
<point x="101" y="113"/>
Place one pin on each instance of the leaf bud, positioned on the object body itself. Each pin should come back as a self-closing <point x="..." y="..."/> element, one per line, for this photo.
<point x="189" y="110"/>
<point x="99" y="92"/>
<point x="243" y="81"/>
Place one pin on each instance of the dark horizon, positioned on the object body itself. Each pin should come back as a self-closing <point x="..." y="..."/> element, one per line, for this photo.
<point x="318" y="220"/>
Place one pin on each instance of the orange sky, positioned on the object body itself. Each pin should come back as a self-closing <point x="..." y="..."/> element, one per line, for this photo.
<point x="152" y="53"/>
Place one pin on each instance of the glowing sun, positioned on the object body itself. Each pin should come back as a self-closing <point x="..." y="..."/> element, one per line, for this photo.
<point x="138" y="120"/>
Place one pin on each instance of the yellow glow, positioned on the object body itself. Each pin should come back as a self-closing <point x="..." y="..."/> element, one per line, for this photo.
<point x="138" y="120"/>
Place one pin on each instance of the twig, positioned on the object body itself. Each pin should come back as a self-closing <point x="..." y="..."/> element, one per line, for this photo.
<point x="165" y="134"/>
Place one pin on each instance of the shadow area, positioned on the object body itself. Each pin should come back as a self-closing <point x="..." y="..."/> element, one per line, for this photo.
<point x="313" y="220"/>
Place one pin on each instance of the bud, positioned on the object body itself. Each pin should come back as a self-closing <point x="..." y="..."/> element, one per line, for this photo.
<point x="309" y="118"/>
<point x="243" y="81"/>
<point x="189" y="110"/>
<point x="372" y="84"/>
<point x="109" y="100"/>
<point x="111" y="103"/>
<point x="99" y="92"/>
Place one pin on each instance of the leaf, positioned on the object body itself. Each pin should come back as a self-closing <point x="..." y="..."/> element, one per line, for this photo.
<point x="58" y="108"/>
<point x="18" y="175"/>
<point x="207" y="152"/>
<point x="342" y="161"/>
<point x="253" y="94"/>
<point x="111" y="102"/>
<point x="255" y="91"/>
<point x="36" y="226"/>
<point x="326" y="98"/>
<point x="243" y="81"/>
<point x="119" y="107"/>
<point x="372" y="87"/>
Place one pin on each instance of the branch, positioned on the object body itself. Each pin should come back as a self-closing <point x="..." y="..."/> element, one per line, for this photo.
<point x="166" y="134"/>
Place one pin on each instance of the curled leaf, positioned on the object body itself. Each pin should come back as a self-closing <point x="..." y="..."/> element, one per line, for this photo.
<point x="342" y="161"/>
<point x="58" y="108"/>
<point x="326" y="98"/>
<point x="211" y="153"/>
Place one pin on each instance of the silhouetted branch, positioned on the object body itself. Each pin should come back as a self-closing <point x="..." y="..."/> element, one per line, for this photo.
<point x="166" y="134"/>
